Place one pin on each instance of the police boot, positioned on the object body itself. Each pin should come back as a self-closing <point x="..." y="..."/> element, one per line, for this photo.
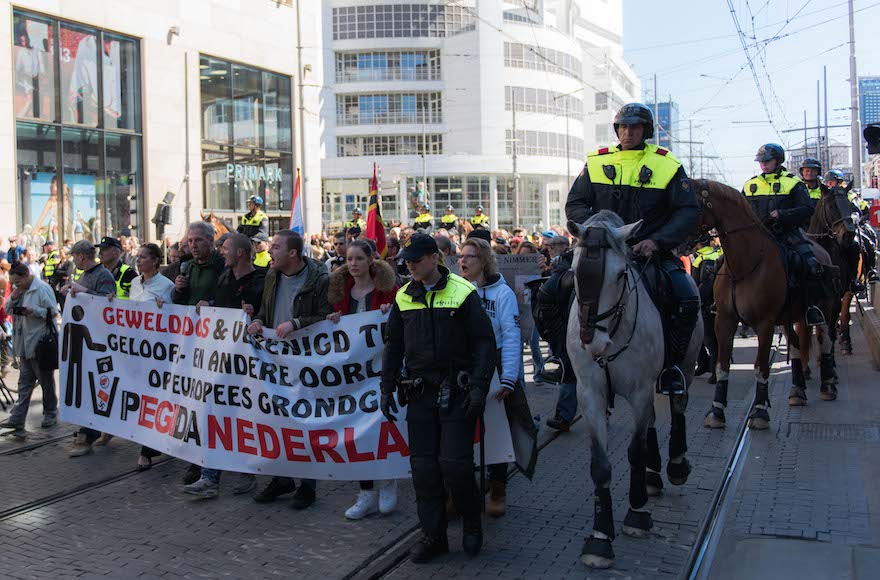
<point x="471" y="535"/>
<point x="872" y="276"/>
<point x="428" y="548"/>
<point x="682" y="322"/>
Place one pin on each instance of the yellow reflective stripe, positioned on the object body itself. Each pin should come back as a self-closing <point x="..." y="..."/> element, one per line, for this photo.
<point x="425" y="217"/>
<point x="452" y="296"/>
<point x="628" y="165"/>
<point x="480" y="219"/>
<point x="256" y="220"/>
<point x="121" y="293"/>
<point x="765" y="185"/>
<point x="448" y="219"/>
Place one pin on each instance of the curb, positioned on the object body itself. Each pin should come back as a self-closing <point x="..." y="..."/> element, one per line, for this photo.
<point x="870" y="322"/>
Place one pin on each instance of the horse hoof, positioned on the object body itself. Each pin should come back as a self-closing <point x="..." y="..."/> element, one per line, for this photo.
<point x="715" y="419"/>
<point x="759" y="419"/>
<point x="655" y="483"/>
<point x="828" y="393"/>
<point x="797" y="397"/>
<point x="637" y="524"/>
<point x="678" y="473"/>
<point x="597" y="553"/>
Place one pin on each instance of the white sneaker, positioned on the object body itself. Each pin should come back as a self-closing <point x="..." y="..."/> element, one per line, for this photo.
<point x="80" y="446"/>
<point x="204" y="487"/>
<point x="367" y="503"/>
<point x="387" y="496"/>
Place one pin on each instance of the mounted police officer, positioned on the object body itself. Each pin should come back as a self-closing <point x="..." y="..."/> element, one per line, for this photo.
<point x="640" y="181"/>
<point x="438" y="328"/>
<point x="449" y="221"/>
<point x="425" y="220"/>
<point x="810" y="170"/>
<point x="356" y="221"/>
<point x="254" y="221"/>
<point x="865" y="246"/>
<point x="704" y="269"/>
<point x="480" y="220"/>
<point x="782" y="203"/>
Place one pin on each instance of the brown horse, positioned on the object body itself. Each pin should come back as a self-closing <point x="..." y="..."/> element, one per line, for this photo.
<point x="752" y="286"/>
<point x="220" y="227"/>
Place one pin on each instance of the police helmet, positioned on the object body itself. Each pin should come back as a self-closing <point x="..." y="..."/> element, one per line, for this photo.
<point x="770" y="151"/>
<point x="480" y="208"/>
<point x="357" y="210"/>
<point x="635" y="114"/>
<point x="810" y="162"/>
<point x="427" y="207"/>
<point x="835" y="175"/>
<point x="255" y="199"/>
<point x="449" y="208"/>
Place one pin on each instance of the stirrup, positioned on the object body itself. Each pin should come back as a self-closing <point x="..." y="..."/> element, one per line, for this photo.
<point x="820" y="320"/>
<point x="673" y="370"/>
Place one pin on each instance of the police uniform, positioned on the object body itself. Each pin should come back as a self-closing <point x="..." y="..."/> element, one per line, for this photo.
<point x="424" y="221"/>
<point x="358" y="223"/>
<point x="438" y="333"/>
<point x="262" y="259"/>
<point x="704" y="270"/>
<point x="253" y="224"/>
<point x="648" y="183"/>
<point x="448" y="221"/>
<point x="481" y="220"/>
<point x="51" y="262"/>
<point x="123" y="274"/>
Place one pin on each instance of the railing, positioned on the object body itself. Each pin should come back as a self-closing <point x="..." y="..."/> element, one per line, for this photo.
<point x="415" y="118"/>
<point x="386" y="74"/>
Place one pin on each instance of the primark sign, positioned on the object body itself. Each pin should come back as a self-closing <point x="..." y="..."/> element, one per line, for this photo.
<point x="253" y="173"/>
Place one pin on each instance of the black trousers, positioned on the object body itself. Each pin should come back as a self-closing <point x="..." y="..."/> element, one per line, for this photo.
<point x="441" y="445"/>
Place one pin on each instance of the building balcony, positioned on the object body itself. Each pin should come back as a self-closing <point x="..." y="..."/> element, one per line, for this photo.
<point x="391" y="118"/>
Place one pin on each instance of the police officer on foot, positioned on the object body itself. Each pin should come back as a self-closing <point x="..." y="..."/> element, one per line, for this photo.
<point x="640" y="181"/>
<point x="254" y="221"/>
<point x="437" y="325"/>
<point x="50" y="259"/>
<point x="782" y="203"/>
<point x="449" y="219"/>
<point x="110" y="252"/>
<point x="810" y="170"/>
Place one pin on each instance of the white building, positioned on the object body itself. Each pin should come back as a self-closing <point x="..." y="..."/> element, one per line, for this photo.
<point x="429" y="88"/>
<point x="106" y="105"/>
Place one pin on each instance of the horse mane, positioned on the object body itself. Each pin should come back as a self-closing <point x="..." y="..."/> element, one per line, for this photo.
<point x="610" y="221"/>
<point x="815" y="223"/>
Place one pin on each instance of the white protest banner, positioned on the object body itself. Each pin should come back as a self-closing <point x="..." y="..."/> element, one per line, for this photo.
<point x="518" y="270"/>
<point x="198" y="387"/>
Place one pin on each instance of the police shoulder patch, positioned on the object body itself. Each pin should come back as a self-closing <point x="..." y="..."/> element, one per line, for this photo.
<point x="662" y="151"/>
<point x="685" y="184"/>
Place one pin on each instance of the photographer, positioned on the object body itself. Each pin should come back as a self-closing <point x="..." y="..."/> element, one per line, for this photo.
<point x="33" y="308"/>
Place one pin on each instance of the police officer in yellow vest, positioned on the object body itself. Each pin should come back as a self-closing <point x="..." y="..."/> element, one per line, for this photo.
<point x="109" y="252"/>
<point x="254" y="221"/>
<point x="480" y="220"/>
<point x="261" y="250"/>
<point x="640" y="181"/>
<point x="50" y="259"/>
<point x="704" y="269"/>
<point x="865" y="236"/>
<point x="424" y="220"/>
<point x="810" y="170"/>
<point x="782" y="203"/>
<point x="356" y="221"/>
<point x="449" y="220"/>
<point x="439" y="356"/>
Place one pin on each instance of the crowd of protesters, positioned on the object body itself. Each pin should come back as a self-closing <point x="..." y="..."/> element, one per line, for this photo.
<point x="286" y="283"/>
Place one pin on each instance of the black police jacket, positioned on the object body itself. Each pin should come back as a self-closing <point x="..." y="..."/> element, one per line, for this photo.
<point x="780" y="191"/>
<point x="647" y="183"/>
<point x="438" y="333"/>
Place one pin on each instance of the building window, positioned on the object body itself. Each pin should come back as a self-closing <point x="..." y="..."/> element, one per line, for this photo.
<point x="401" y="21"/>
<point x="541" y="144"/>
<point x="531" y="100"/>
<point x="353" y="67"/>
<point x="543" y="59"/>
<point x="602" y="101"/>
<point x="385" y="109"/>
<point x="78" y="130"/>
<point x="247" y="136"/>
<point x="430" y="144"/>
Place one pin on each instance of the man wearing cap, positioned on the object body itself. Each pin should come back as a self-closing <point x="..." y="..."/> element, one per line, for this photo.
<point x="449" y="219"/>
<point x="254" y="221"/>
<point x="261" y="250"/>
<point x="438" y="327"/>
<point x="50" y="260"/>
<point x="480" y="220"/>
<point x="356" y="221"/>
<point x="110" y="252"/>
<point x="97" y="281"/>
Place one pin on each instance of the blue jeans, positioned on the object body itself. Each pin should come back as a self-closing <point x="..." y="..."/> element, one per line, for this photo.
<point x="535" y="346"/>
<point x="567" y="404"/>
<point x="211" y="474"/>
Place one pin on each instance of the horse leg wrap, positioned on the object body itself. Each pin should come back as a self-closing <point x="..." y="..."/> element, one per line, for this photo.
<point x="678" y="436"/>
<point x="603" y="519"/>
<point x="721" y="391"/>
<point x="762" y="394"/>
<point x="797" y="373"/>
<point x="828" y="374"/>
<point x="638" y="485"/>
<point x="653" y="460"/>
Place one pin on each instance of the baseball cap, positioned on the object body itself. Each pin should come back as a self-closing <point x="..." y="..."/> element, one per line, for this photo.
<point x="83" y="247"/>
<point x="549" y="234"/>
<point x="417" y="246"/>
<point x="260" y="237"/>
<point x="108" y="242"/>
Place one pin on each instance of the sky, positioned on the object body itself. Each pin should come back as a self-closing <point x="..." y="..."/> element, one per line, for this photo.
<point x="694" y="49"/>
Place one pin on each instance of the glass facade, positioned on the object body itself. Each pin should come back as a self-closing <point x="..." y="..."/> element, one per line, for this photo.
<point x="78" y="129"/>
<point x="247" y="136"/>
<point x="353" y="67"/>
<point x="529" y="100"/>
<point x="391" y="108"/>
<point x="543" y="144"/>
<point x="401" y="21"/>
<point x="544" y="59"/>
<point x="463" y="192"/>
<point x="430" y="144"/>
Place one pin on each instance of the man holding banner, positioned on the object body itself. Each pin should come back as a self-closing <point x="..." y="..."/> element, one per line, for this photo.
<point x="438" y="326"/>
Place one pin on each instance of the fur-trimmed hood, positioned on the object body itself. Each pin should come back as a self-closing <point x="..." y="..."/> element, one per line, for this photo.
<point x="341" y="282"/>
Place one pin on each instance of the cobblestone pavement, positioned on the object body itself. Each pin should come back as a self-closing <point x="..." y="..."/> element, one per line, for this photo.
<point x="96" y="517"/>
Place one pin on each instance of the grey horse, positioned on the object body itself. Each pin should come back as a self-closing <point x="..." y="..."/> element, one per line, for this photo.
<point x="624" y="346"/>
